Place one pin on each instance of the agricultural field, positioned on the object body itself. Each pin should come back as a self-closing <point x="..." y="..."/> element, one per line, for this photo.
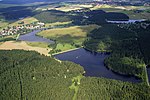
<point x="38" y="44"/>
<point x="68" y="8"/>
<point x="10" y="45"/>
<point x="131" y="11"/>
<point x="3" y="24"/>
<point x="7" y="38"/>
<point x="27" y="20"/>
<point x="57" y="23"/>
<point x="68" y="38"/>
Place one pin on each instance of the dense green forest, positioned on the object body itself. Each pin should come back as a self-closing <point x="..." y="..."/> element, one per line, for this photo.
<point x="105" y="89"/>
<point x="31" y="76"/>
<point x="126" y="47"/>
<point x="53" y="16"/>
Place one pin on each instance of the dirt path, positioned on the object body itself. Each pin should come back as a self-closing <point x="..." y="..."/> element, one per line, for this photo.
<point x="10" y="45"/>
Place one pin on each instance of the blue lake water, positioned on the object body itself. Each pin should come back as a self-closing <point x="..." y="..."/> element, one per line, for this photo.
<point x="31" y="37"/>
<point x="93" y="64"/>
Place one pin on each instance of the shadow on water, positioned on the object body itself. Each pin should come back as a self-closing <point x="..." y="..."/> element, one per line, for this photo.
<point x="93" y="64"/>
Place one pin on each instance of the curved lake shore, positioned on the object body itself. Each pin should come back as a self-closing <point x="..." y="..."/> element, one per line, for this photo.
<point x="31" y="37"/>
<point x="93" y="64"/>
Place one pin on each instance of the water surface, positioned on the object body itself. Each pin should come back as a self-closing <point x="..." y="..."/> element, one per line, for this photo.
<point x="31" y="37"/>
<point x="129" y="21"/>
<point x="93" y="64"/>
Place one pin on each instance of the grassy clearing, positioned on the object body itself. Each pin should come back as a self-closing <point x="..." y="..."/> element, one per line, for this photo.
<point x="27" y="20"/>
<point x="129" y="10"/>
<point x="66" y="8"/>
<point x="134" y="15"/>
<point x="105" y="6"/>
<point x="62" y="34"/>
<point x="1" y="43"/>
<point x="3" y="24"/>
<point x="75" y="85"/>
<point x="7" y="38"/>
<point x="69" y="8"/>
<point x="38" y="44"/>
<point x="57" y="23"/>
<point x="68" y="38"/>
<point x="10" y="45"/>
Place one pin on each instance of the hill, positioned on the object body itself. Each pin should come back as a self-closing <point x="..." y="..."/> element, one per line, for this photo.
<point x="26" y="75"/>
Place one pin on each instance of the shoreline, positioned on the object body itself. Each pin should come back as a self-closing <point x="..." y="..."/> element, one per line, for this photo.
<point x="66" y="51"/>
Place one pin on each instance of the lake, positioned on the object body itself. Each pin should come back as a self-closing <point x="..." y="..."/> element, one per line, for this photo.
<point x="31" y="37"/>
<point x="129" y="21"/>
<point x="93" y="64"/>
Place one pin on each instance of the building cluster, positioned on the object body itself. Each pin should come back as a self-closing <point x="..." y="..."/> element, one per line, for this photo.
<point x="21" y="29"/>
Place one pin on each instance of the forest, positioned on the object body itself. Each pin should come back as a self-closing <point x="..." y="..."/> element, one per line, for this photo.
<point x="92" y="88"/>
<point x="53" y="16"/>
<point x="129" y="54"/>
<point x="31" y="76"/>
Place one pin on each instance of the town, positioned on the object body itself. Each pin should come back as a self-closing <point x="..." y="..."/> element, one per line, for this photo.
<point x="22" y="28"/>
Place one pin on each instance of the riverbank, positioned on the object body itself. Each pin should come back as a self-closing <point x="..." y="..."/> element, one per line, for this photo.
<point x="93" y="64"/>
<point x="54" y="54"/>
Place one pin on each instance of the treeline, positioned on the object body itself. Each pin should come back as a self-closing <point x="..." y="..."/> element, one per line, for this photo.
<point x="16" y="12"/>
<point x="53" y="16"/>
<point x="144" y="40"/>
<point x="126" y="57"/>
<point x="31" y="76"/>
<point x="101" y="17"/>
<point x="142" y="32"/>
<point x="105" y="89"/>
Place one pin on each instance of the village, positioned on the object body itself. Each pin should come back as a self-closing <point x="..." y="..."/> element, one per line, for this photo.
<point x="21" y="29"/>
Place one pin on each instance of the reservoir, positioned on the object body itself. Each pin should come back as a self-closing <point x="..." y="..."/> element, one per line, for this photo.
<point x="126" y="22"/>
<point x="31" y="37"/>
<point x="93" y="64"/>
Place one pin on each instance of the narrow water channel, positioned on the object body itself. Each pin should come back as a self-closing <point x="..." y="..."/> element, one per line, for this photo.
<point x="31" y="37"/>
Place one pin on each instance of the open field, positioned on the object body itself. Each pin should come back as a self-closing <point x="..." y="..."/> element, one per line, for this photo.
<point x="134" y="15"/>
<point x="3" y="24"/>
<point x="57" y="23"/>
<point x="129" y="10"/>
<point x="105" y="6"/>
<point x="27" y="20"/>
<point x="65" y="8"/>
<point x="7" y="38"/>
<point x="75" y="31"/>
<point x="68" y="38"/>
<point x="10" y="45"/>
<point x="38" y="44"/>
